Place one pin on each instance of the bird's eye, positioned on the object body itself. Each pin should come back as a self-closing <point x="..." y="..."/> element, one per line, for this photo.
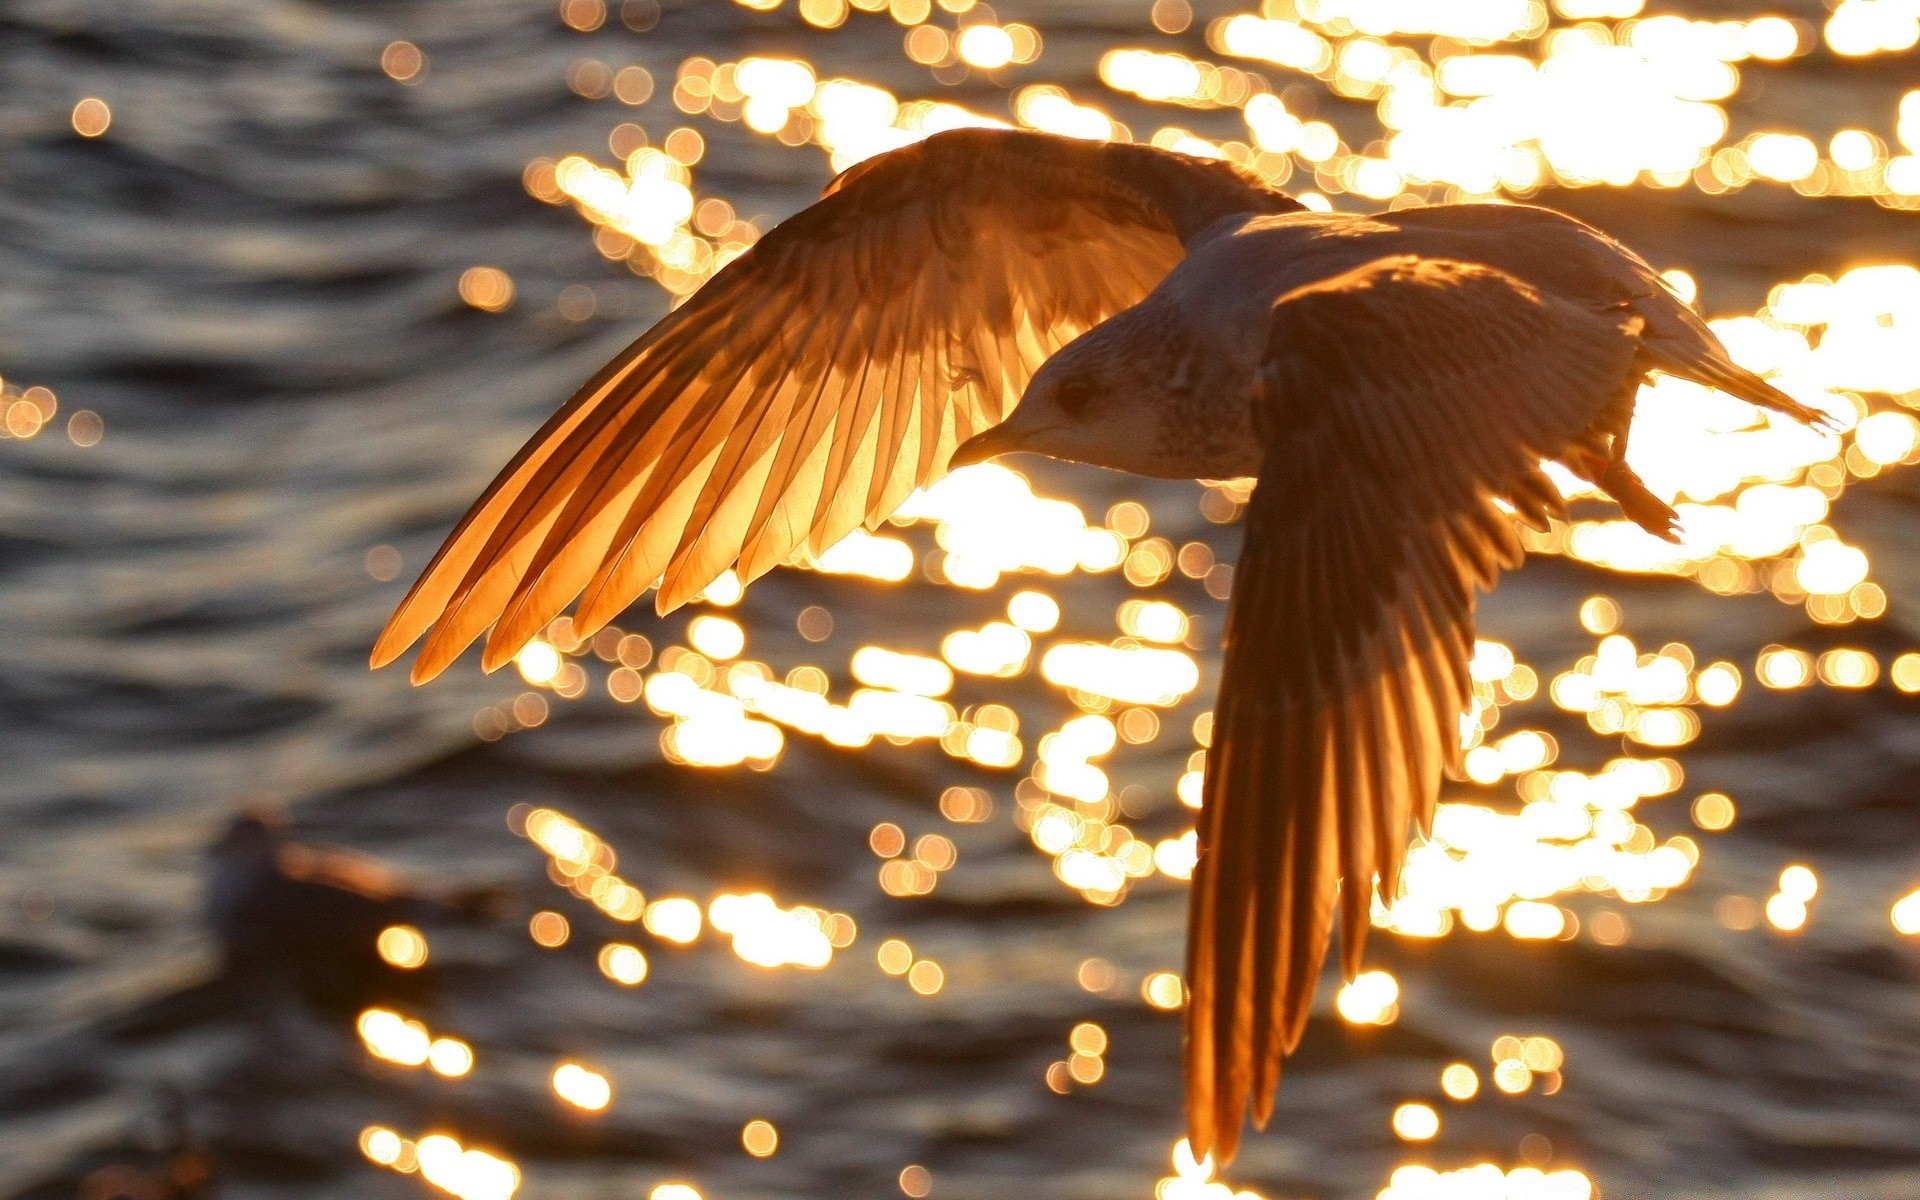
<point x="1074" y="396"/>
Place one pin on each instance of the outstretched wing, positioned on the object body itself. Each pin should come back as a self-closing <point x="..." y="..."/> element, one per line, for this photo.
<point x="1398" y="401"/>
<point x="815" y="381"/>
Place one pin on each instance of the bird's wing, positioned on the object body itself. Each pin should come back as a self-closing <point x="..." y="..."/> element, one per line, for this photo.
<point x="1398" y="402"/>
<point x="1573" y="260"/>
<point x="815" y="381"/>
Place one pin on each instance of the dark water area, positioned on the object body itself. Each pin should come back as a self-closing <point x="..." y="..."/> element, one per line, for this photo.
<point x="252" y="279"/>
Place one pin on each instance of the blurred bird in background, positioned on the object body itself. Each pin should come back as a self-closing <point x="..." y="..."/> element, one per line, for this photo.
<point x="1394" y="381"/>
<point x="311" y="917"/>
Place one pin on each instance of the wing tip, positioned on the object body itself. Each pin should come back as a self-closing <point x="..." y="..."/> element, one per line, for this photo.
<point x="512" y="631"/>
<point x="495" y="655"/>
<point x="439" y="653"/>
<point x="1214" y="1136"/>
<point x="383" y="655"/>
<point x="1353" y="941"/>
<point x="393" y="643"/>
<point x="1216" y="1102"/>
<point x="668" y="600"/>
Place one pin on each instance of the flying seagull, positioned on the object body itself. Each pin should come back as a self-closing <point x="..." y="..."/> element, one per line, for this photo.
<point x="1395" y="381"/>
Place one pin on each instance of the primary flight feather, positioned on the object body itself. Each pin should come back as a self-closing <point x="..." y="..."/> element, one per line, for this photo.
<point x="1395" y="382"/>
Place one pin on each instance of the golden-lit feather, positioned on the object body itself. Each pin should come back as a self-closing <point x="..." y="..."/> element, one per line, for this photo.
<point x="1397" y="401"/>
<point x="815" y="381"/>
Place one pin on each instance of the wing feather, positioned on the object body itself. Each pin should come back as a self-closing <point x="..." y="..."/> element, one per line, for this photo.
<point x="1400" y="402"/>
<point x="796" y="476"/>
<point x="816" y="380"/>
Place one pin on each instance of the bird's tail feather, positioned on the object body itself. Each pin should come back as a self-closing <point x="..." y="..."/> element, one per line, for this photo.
<point x="1719" y="372"/>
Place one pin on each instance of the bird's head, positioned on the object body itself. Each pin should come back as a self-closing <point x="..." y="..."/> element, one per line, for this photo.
<point x="1101" y="400"/>
<point x="252" y="835"/>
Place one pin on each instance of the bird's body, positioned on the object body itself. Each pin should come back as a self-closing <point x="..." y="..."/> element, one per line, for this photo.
<point x="286" y="912"/>
<point x="1395" y="381"/>
<point x="1193" y="346"/>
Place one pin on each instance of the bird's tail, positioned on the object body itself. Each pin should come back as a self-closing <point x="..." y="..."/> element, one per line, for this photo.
<point x="1679" y="341"/>
<point x="1716" y="370"/>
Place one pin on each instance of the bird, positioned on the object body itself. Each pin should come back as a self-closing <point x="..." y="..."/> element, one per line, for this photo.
<point x="1393" y="381"/>
<point x="311" y="916"/>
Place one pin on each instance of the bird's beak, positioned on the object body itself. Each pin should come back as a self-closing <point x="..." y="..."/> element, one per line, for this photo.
<point x="1001" y="439"/>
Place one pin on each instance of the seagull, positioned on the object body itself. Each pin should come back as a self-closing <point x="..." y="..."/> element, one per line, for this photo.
<point x="1395" y="382"/>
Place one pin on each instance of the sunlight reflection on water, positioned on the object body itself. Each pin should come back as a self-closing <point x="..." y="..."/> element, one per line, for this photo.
<point x="1485" y="100"/>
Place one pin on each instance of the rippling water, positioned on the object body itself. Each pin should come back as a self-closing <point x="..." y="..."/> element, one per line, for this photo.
<point x="252" y="279"/>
